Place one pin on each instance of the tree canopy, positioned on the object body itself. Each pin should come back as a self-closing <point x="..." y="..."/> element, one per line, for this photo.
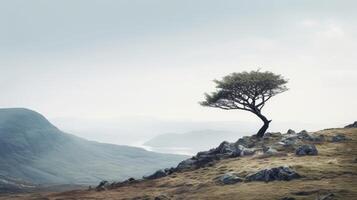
<point x="247" y="91"/>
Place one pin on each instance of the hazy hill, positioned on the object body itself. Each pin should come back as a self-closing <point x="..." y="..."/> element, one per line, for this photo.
<point x="35" y="151"/>
<point x="190" y="142"/>
<point x="332" y="174"/>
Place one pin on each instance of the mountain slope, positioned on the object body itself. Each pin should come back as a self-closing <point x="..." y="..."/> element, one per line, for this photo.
<point x="332" y="174"/>
<point x="33" y="150"/>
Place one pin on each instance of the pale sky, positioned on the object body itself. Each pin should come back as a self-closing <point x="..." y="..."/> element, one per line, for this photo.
<point x="102" y="59"/>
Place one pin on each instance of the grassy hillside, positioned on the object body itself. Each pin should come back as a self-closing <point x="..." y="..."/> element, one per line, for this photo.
<point x="333" y="171"/>
<point x="35" y="151"/>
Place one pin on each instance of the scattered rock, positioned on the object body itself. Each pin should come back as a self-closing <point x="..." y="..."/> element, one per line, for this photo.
<point x="230" y="178"/>
<point x="103" y="185"/>
<point x="270" y="151"/>
<point x="227" y="149"/>
<point x="247" y="141"/>
<point x="207" y="158"/>
<point x="186" y="164"/>
<point x="306" y="149"/>
<point x="246" y="151"/>
<point x="304" y="135"/>
<point x="339" y="138"/>
<point x="276" y="134"/>
<point x="290" y="140"/>
<point x="353" y="125"/>
<point x="290" y="131"/>
<point x="272" y="174"/>
<point x="158" y="174"/>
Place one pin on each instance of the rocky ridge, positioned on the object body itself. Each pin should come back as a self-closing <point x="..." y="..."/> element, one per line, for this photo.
<point x="272" y="144"/>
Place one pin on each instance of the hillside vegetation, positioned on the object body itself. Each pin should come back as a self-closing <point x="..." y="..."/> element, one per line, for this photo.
<point x="34" y="151"/>
<point x="331" y="174"/>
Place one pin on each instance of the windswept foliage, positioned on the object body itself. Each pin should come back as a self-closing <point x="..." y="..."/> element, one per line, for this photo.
<point x="247" y="91"/>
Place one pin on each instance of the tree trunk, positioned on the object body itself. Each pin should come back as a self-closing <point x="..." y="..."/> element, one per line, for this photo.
<point x="265" y="126"/>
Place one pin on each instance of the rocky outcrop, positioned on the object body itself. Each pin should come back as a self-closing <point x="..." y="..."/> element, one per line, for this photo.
<point x="306" y="150"/>
<point x="272" y="144"/>
<point x="202" y="159"/>
<point x="230" y="178"/>
<point x="160" y="173"/>
<point x="353" y="125"/>
<point x="103" y="185"/>
<point x="273" y="174"/>
<point x="304" y="135"/>
<point x="339" y="138"/>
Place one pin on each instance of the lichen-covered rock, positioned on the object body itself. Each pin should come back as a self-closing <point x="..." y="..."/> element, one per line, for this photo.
<point x="304" y="135"/>
<point x="273" y="174"/>
<point x="158" y="174"/>
<point x="186" y="164"/>
<point x="276" y="134"/>
<point x="270" y="151"/>
<point x="226" y="149"/>
<point x="204" y="158"/>
<point x="306" y="150"/>
<point x="246" y="151"/>
<point x="247" y="141"/>
<point x="230" y="178"/>
<point x="339" y="138"/>
<point x="290" y="140"/>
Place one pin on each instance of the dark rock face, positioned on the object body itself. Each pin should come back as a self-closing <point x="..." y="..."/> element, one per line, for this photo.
<point x="303" y="135"/>
<point x="230" y="178"/>
<point x="186" y="164"/>
<point x="353" y="125"/>
<point x="290" y="140"/>
<point x="306" y="149"/>
<point x="277" y="134"/>
<point x="339" y="138"/>
<point x="247" y="141"/>
<point x="158" y="174"/>
<point x="274" y="174"/>
<point x="204" y="158"/>
<point x="103" y="185"/>
<point x="290" y="131"/>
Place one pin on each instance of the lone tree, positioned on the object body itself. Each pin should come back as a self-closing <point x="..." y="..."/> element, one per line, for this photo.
<point x="247" y="91"/>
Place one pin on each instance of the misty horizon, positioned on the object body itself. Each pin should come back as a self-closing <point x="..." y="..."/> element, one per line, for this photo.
<point x="118" y="60"/>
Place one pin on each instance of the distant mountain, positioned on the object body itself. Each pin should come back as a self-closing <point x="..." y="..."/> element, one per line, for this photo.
<point x="190" y="142"/>
<point x="35" y="151"/>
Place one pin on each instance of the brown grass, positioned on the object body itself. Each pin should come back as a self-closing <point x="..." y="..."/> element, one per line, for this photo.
<point x="334" y="170"/>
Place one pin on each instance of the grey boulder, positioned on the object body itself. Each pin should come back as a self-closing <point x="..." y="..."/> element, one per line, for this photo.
<point x="230" y="178"/>
<point x="158" y="174"/>
<point x="339" y="138"/>
<point x="306" y="149"/>
<point x="273" y="174"/>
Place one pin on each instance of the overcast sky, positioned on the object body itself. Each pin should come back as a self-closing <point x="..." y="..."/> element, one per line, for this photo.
<point x="102" y="59"/>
